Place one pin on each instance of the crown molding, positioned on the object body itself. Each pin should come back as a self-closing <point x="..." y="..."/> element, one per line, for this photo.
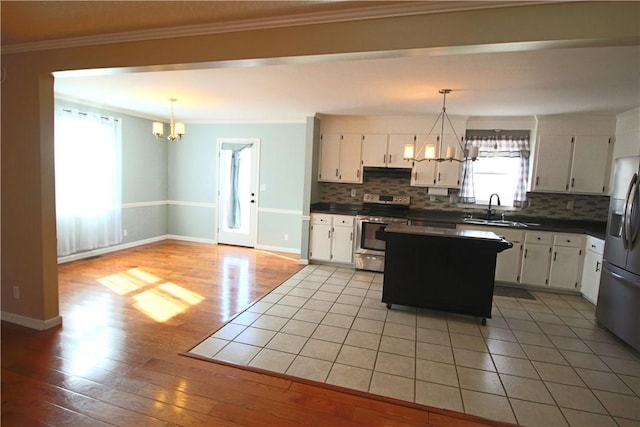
<point x="373" y="12"/>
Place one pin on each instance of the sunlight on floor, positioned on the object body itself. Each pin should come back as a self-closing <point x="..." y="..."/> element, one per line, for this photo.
<point x="156" y="298"/>
<point x="128" y="281"/>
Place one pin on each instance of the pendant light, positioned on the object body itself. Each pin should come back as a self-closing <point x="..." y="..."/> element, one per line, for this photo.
<point x="177" y="129"/>
<point x="428" y="151"/>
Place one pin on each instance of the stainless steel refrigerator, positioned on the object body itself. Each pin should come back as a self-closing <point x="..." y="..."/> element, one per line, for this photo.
<point x="618" y="307"/>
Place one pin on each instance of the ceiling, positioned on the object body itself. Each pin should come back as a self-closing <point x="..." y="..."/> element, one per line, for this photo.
<point x="512" y="83"/>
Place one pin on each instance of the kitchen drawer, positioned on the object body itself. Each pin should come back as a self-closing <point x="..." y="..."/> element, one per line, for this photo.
<point x="320" y="218"/>
<point x="596" y="245"/>
<point x="343" y="220"/>
<point x="541" y="237"/>
<point x="568" y="240"/>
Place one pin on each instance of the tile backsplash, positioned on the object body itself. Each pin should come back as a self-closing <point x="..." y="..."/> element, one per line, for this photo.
<point x="540" y="205"/>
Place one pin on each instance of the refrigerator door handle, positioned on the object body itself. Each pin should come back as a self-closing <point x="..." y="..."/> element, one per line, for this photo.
<point x="633" y="214"/>
<point x="626" y="223"/>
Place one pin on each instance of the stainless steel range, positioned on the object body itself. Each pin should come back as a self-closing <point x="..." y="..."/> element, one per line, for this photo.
<point x="378" y="210"/>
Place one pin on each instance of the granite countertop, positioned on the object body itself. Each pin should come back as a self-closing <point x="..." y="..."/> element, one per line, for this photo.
<point x="442" y="232"/>
<point x="336" y="208"/>
<point x="592" y="228"/>
<point x="452" y="218"/>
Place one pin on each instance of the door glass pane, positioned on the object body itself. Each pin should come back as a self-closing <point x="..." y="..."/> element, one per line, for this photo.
<point x="235" y="164"/>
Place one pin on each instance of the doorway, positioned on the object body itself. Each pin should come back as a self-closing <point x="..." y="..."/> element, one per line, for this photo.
<point x="237" y="195"/>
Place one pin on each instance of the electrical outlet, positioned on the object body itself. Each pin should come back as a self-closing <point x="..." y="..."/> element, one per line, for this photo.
<point x="286" y="237"/>
<point x="16" y="292"/>
<point x="569" y="204"/>
<point x="124" y="232"/>
<point x="353" y="192"/>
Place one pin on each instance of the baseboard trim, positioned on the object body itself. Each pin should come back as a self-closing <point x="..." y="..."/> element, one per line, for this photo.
<point x="30" y="322"/>
<point x="191" y="239"/>
<point x="102" y="251"/>
<point x="278" y="249"/>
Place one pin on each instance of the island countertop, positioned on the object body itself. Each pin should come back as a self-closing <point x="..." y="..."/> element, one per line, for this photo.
<point x="442" y="232"/>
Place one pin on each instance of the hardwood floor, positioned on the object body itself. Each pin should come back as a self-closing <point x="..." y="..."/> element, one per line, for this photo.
<point x="128" y="315"/>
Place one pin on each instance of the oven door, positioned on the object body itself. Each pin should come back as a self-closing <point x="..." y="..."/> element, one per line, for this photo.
<point x="366" y="241"/>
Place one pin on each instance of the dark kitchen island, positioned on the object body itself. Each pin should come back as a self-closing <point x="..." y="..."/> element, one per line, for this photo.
<point x="442" y="269"/>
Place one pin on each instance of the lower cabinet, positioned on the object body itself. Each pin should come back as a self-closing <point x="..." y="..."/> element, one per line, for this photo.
<point x="567" y="261"/>
<point x="539" y="258"/>
<point x="331" y="238"/>
<point x="536" y="258"/>
<point x="592" y="270"/>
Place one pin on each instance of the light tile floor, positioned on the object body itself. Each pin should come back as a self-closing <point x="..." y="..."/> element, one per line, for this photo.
<point x="540" y="362"/>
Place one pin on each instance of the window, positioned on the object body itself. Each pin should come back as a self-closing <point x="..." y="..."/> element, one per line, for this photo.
<point x="502" y="168"/>
<point x="88" y="181"/>
<point x="496" y="175"/>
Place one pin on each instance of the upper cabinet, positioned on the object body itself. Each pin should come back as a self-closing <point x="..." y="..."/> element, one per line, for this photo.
<point x="340" y="158"/>
<point x="573" y="155"/>
<point x="437" y="174"/>
<point x="382" y="150"/>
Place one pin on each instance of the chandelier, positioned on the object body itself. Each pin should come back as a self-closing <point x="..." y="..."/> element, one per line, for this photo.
<point x="428" y="151"/>
<point x="177" y="128"/>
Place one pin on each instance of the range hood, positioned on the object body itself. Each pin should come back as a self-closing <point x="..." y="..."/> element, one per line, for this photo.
<point x="383" y="172"/>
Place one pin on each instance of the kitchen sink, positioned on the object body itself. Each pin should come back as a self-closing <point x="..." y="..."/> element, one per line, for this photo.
<point x="498" y="222"/>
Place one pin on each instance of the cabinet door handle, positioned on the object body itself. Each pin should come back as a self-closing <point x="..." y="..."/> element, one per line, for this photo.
<point x="573" y="182"/>
<point x="329" y="235"/>
<point x="351" y="236"/>
<point x="384" y="158"/>
<point x="390" y="156"/>
<point x="597" y="266"/>
<point x="537" y="180"/>
<point x="526" y="251"/>
<point x="358" y="173"/>
<point x="336" y="171"/>
<point x="438" y="176"/>
<point x="555" y="254"/>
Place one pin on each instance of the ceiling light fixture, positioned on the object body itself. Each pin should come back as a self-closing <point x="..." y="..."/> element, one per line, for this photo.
<point x="433" y="152"/>
<point x="177" y="128"/>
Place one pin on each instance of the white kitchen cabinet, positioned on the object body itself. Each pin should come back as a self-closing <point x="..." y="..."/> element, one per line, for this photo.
<point x="320" y="237"/>
<point x="590" y="168"/>
<point x="329" y="162"/>
<point x="566" y="261"/>
<point x="437" y="174"/>
<point x="424" y="173"/>
<point x="553" y="163"/>
<point x="592" y="269"/>
<point x="508" y="262"/>
<point x="382" y="150"/>
<point x="536" y="258"/>
<point x="331" y="238"/>
<point x="342" y="239"/>
<point x="375" y="150"/>
<point x="572" y="162"/>
<point x="340" y="158"/>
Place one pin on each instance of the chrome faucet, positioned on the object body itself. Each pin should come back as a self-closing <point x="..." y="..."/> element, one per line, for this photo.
<point x="490" y="198"/>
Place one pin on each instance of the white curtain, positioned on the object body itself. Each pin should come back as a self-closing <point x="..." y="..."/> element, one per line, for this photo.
<point x="88" y="164"/>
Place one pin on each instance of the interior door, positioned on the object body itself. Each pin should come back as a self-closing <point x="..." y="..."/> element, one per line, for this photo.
<point x="237" y="195"/>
